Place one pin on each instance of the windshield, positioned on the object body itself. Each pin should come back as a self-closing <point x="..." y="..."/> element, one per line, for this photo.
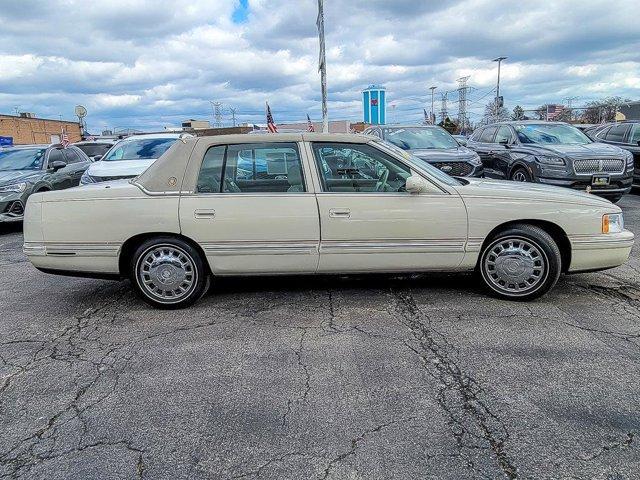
<point x="551" y="133"/>
<point x="21" y="158"/>
<point x="93" y="149"/>
<point x="413" y="138"/>
<point x="421" y="164"/>
<point x="141" y="149"/>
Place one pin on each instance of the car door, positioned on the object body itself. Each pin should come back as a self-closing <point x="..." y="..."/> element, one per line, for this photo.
<point x="617" y="134"/>
<point x="633" y="145"/>
<point x="60" y="178"/>
<point x="253" y="209"/>
<point x="368" y="221"/>
<point x="501" y="158"/>
<point x="484" y="148"/>
<point x="77" y="163"/>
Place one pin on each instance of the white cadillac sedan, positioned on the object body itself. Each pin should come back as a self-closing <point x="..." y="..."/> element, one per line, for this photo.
<point x="315" y="203"/>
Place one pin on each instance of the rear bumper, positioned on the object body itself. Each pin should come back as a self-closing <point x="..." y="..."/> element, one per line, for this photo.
<point x="599" y="252"/>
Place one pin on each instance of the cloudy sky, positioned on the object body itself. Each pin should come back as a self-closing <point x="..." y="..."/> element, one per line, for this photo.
<point x="152" y="63"/>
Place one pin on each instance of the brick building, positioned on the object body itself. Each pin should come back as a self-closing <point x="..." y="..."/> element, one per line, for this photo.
<point x="25" y="129"/>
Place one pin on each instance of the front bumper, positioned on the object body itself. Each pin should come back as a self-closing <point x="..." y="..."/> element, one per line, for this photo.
<point x="459" y="168"/>
<point x="12" y="208"/>
<point x="599" y="252"/>
<point x="619" y="185"/>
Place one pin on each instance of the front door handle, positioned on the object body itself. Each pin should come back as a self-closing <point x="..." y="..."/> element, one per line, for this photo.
<point x="204" y="214"/>
<point x="339" y="213"/>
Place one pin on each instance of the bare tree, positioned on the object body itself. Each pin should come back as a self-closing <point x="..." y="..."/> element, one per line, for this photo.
<point x="602" y="110"/>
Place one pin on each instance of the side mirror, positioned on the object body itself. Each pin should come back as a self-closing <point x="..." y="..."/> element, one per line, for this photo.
<point x="57" y="165"/>
<point x="416" y="184"/>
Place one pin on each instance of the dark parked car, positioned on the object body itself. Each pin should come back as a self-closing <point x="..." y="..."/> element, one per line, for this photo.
<point x="553" y="153"/>
<point x="95" y="149"/>
<point x="624" y="135"/>
<point x="433" y="145"/>
<point x="36" y="168"/>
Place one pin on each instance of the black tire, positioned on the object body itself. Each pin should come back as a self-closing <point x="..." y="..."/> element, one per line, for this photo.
<point x="521" y="174"/>
<point x="527" y="268"/>
<point x="168" y="273"/>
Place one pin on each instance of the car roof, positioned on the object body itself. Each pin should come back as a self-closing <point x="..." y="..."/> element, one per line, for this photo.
<point x="87" y="142"/>
<point x="520" y="122"/>
<point x="34" y="145"/>
<point x="143" y="136"/>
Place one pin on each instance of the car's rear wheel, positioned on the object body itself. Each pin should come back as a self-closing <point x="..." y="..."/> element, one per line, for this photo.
<point x="169" y="273"/>
<point x="520" y="263"/>
<point x="521" y="175"/>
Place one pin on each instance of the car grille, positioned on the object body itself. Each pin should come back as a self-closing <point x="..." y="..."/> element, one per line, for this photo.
<point x="592" y="165"/>
<point x="455" y="169"/>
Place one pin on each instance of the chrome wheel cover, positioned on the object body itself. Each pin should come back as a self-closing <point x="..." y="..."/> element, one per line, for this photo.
<point x="166" y="273"/>
<point x="520" y="176"/>
<point x="515" y="266"/>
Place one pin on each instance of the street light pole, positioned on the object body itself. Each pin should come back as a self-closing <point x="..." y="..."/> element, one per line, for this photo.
<point x="497" y="104"/>
<point x="322" y="66"/>
<point x="433" y="114"/>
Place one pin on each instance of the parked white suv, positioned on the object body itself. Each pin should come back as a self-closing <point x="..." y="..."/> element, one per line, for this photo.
<point x="130" y="157"/>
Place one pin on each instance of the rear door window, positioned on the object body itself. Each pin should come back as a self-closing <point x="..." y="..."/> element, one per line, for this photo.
<point x="503" y="135"/>
<point x="487" y="135"/>
<point x="617" y="133"/>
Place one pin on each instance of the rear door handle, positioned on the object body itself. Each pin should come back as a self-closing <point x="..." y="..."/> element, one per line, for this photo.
<point x="339" y="213"/>
<point x="204" y="214"/>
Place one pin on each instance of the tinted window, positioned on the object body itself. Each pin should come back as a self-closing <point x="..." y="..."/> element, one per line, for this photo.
<point x="503" y="135"/>
<point x="211" y="170"/>
<point x="71" y="156"/>
<point x="487" y="135"/>
<point x="139" y="149"/>
<point x="21" y="158"/>
<point x="475" y="136"/>
<point x="346" y="167"/>
<point x="551" y="133"/>
<point x="93" y="149"/>
<point x="616" y="133"/>
<point x="635" y="135"/>
<point x="56" y="155"/>
<point x="413" y="138"/>
<point x="263" y="168"/>
<point x="601" y="133"/>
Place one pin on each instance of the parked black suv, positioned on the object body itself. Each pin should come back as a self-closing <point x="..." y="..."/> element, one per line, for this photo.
<point x="554" y="153"/>
<point x="433" y="145"/>
<point x="625" y="135"/>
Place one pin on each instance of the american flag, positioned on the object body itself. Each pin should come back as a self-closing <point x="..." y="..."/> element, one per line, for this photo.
<point x="271" y="126"/>
<point x="310" y="127"/>
<point x="64" y="139"/>
<point x="554" y="111"/>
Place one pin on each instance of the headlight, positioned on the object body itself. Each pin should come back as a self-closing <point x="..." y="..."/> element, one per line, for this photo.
<point x="629" y="160"/>
<point x="549" y="160"/>
<point x="475" y="160"/>
<point x="86" y="178"/>
<point x="612" y="223"/>
<point x="16" y="187"/>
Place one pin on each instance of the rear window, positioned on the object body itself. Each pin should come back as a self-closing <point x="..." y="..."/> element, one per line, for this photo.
<point x="139" y="149"/>
<point x="487" y="135"/>
<point x="93" y="149"/>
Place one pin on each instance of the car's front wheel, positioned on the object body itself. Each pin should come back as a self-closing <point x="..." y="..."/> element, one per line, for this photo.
<point x="521" y="175"/>
<point x="520" y="263"/>
<point x="169" y="273"/>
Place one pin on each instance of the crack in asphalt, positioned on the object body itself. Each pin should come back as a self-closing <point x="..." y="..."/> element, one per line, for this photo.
<point x="622" y="444"/>
<point x="474" y="425"/>
<point x="307" y="379"/>
<point x="256" y="472"/>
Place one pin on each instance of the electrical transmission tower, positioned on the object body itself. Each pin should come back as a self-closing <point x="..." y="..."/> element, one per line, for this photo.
<point x="443" y="109"/>
<point x="463" y="121"/>
<point x="233" y="111"/>
<point x="217" y="114"/>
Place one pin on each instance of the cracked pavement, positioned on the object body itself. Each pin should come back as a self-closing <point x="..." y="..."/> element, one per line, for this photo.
<point x="394" y="377"/>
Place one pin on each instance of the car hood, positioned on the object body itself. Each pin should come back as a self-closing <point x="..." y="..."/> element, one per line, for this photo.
<point x="444" y="154"/>
<point x="529" y="192"/>
<point x="16" y="176"/>
<point x="589" y="150"/>
<point x="119" y="168"/>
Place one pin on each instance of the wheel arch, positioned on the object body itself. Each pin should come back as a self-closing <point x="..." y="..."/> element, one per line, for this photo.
<point x="556" y="231"/>
<point x="129" y="246"/>
<point x="520" y="163"/>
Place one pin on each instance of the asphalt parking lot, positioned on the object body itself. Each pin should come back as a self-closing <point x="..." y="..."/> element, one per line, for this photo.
<point x="319" y="378"/>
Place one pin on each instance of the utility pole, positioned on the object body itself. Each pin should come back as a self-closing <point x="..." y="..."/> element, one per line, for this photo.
<point x="432" y="116"/>
<point x="443" y="110"/>
<point x="233" y="111"/>
<point x="217" y="114"/>
<point x="498" y="103"/>
<point x="462" y="103"/>
<point x="570" y="106"/>
<point x="322" y="66"/>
